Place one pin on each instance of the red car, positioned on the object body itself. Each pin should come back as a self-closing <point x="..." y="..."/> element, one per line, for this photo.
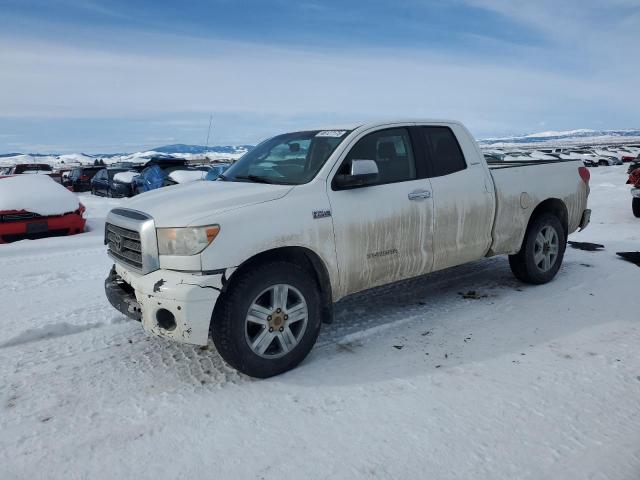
<point x="634" y="179"/>
<point x="35" y="206"/>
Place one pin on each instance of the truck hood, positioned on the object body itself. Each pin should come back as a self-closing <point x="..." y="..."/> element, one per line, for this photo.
<point x="194" y="203"/>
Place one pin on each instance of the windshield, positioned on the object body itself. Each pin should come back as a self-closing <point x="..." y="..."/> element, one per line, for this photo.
<point x="289" y="159"/>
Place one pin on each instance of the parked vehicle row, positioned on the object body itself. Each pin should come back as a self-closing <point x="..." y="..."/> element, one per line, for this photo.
<point x="590" y="157"/>
<point x="156" y="173"/>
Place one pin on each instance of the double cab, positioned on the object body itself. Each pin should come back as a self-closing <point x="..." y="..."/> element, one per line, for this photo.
<point x="256" y="259"/>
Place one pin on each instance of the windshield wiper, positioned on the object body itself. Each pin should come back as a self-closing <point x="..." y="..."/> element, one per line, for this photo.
<point x="255" y="178"/>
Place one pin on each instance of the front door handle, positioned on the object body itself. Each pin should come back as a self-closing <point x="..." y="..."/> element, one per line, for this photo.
<point x="419" y="195"/>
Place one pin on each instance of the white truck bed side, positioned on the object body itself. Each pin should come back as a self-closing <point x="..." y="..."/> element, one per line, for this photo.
<point x="520" y="189"/>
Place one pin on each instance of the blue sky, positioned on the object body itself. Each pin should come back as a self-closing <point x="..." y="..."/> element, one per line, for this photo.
<point x="113" y="76"/>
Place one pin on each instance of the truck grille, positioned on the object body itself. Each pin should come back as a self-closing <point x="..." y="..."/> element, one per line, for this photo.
<point x="124" y="245"/>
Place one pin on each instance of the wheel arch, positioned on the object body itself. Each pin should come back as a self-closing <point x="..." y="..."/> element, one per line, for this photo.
<point x="303" y="256"/>
<point x="554" y="206"/>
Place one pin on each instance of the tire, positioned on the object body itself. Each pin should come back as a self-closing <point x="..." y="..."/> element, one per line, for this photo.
<point x="93" y="191"/>
<point x="603" y="163"/>
<point x="525" y="265"/>
<point x="232" y="331"/>
<point x="635" y="206"/>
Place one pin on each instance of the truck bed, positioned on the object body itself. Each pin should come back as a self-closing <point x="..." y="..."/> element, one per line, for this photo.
<point x="519" y="190"/>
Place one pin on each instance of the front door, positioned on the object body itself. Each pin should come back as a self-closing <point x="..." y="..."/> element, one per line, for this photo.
<point x="383" y="232"/>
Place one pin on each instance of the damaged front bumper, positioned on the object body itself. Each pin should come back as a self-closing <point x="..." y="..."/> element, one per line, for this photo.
<point x="169" y="304"/>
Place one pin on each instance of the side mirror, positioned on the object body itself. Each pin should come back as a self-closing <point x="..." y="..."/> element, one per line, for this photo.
<point x="362" y="173"/>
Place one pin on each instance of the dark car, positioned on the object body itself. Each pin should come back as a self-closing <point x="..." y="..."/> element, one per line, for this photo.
<point x="34" y="168"/>
<point x="79" y="179"/>
<point x="103" y="183"/>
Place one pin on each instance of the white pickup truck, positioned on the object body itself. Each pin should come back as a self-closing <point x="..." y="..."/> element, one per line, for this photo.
<point x="256" y="259"/>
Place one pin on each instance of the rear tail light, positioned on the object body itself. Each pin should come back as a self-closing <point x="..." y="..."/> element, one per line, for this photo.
<point x="585" y="175"/>
<point x="84" y="178"/>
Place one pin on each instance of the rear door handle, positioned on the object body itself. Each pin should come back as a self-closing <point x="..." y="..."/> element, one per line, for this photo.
<point x="419" y="195"/>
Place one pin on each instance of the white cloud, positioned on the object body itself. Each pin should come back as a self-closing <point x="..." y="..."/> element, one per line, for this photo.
<point x="41" y="79"/>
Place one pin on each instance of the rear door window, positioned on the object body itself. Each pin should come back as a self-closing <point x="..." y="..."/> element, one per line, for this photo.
<point x="443" y="151"/>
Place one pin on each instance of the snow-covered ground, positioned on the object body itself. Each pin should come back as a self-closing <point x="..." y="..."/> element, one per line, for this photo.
<point x="411" y="381"/>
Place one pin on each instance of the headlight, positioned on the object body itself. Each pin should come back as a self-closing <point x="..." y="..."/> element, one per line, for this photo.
<point x="185" y="241"/>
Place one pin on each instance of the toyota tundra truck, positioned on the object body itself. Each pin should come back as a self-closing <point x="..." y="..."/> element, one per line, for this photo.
<point x="256" y="259"/>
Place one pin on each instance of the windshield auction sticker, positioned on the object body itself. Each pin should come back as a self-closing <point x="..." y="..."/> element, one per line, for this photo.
<point x="331" y="133"/>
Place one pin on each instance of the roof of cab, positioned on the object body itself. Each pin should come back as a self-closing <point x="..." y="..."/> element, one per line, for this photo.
<point x="380" y="123"/>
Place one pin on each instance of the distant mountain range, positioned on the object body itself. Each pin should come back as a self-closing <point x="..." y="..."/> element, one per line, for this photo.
<point x="582" y="134"/>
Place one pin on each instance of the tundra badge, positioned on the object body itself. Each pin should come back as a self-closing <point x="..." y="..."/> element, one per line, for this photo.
<point x="321" y="213"/>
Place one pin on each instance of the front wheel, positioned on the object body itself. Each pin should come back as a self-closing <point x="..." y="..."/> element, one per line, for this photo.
<point x="268" y="320"/>
<point x="635" y="206"/>
<point x="542" y="250"/>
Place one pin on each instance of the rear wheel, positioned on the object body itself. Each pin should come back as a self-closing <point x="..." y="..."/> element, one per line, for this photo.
<point x="542" y="250"/>
<point x="268" y="320"/>
<point x="603" y="163"/>
<point x="635" y="206"/>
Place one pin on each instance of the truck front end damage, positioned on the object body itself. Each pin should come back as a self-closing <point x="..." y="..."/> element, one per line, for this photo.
<point x="170" y="304"/>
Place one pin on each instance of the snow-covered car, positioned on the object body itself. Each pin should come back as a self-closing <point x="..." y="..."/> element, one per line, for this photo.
<point x="30" y="168"/>
<point x="194" y="174"/>
<point x="185" y="176"/>
<point x="606" y="158"/>
<point x="35" y="206"/>
<point x="113" y="182"/>
<point x="590" y="158"/>
<point x="628" y="154"/>
<point x="256" y="259"/>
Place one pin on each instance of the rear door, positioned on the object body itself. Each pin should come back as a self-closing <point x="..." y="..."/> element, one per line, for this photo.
<point x="463" y="201"/>
<point x="383" y="231"/>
